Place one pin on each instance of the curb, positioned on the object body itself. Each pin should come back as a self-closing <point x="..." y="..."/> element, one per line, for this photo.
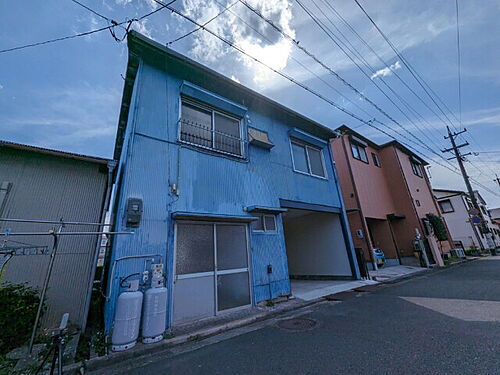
<point x="98" y="363"/>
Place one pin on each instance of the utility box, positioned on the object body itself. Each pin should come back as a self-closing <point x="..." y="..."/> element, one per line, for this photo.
<point x="134" y="212"/>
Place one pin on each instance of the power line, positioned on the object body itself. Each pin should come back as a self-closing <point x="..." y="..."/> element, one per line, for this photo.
<point x="205" y="24"/>
<point x="330" y="70"/>
<point x="425" y="86"/>
<point x="412" y="71"/>
<point x="385" y="63"/>
<point x="353" y="51"/>
<point x="110" y="27"/>
<point x="91" y="10"/>
<point x="305" y="67"/>
<point x="291" y="79"/>
<point x="59" y="39"/>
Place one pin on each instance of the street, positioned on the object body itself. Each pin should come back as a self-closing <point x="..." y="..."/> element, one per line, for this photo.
<point x="442" y="322"/>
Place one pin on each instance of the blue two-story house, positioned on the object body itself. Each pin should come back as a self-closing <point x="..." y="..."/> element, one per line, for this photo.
<point x="234" y="193"/>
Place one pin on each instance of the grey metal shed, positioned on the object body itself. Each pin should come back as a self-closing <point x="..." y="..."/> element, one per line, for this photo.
<point x="43" y="184"/>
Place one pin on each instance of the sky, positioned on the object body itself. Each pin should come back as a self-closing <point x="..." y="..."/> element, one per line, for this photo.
<point x="67" y="95"/>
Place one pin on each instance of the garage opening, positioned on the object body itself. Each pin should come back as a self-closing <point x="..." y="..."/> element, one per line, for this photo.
<point x="382" y="238"/>
<point x="316" y="251"/>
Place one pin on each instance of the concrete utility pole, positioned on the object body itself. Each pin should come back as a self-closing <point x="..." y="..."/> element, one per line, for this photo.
<point x="460" y="159"/>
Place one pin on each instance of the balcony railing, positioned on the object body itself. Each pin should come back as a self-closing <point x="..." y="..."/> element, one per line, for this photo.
<point x="202" y="136"/>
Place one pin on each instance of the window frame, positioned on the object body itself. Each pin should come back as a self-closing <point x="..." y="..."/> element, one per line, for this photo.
<point x="359" y="147"/>
<point x="263" y="221"/>
<point x="376" y="160"/>
<point x="417" y="169"/>
<point x="213" y="111"/>
<point x="307" y="146"/>
<point x="441" y="207"/>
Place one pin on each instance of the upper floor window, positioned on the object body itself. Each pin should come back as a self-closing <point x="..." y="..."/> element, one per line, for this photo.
<point x="208" y="128"/>
<point x="376" y="160"/>
<point x="359" y="152"/>
<point x="308" y="159"/>
<point x="446" y="206"/>
<point x="416" y="168"/>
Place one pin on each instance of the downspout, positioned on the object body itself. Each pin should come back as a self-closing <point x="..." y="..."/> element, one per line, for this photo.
<point x="345" y="224"/>
<point x="361" y="216"/>
<point x="105" y="208"/>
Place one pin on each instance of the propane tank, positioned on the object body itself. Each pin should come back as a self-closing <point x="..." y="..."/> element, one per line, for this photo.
<point x="127" y="318"/>
<point x="155" y="308"/>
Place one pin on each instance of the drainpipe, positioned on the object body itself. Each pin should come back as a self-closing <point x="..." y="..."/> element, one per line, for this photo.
<point x="105" y="208"/>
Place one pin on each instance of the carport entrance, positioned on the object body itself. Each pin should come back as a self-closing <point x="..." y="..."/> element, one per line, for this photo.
<point x="316" y="250"/>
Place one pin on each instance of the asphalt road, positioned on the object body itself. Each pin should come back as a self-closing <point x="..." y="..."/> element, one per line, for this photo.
<point x="444" y="322"/>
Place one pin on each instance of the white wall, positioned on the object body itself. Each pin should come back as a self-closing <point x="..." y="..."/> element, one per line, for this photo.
<point x="315" y="245"/>
<point x="457" y="221"/>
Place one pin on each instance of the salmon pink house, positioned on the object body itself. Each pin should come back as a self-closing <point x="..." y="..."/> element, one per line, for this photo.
<point x="388" y="199"/>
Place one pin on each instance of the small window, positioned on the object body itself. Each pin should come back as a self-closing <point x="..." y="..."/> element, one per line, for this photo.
<point x="446" y="206"/>
<point x="265" y="223"/>
<point x="376" y="160"/>
<point x="359" y="152"/>
<point x="416" y="168"/>
<point x="308" y="159"/>
<point x="417" y="202"/>
<point x="210" y="129"/>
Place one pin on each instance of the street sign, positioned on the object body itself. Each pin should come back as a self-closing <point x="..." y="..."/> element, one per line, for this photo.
<point x="473" y="211"/>
<point x="476" y="220"/>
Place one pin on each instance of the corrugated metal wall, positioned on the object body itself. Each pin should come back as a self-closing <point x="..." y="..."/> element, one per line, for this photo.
<point x="152" y="160"/>
<point x="46" y="187"/>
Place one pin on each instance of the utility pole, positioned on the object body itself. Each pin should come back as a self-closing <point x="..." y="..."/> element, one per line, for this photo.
<point x="460" y="159"/>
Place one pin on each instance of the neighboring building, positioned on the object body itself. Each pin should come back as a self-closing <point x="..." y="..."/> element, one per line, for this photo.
<point x="43" y="184"/>
<point x="455" y="207"/>
<point x="387" y="196"/>
<point x="495" y="215"/>
<point x="233" y="192"/>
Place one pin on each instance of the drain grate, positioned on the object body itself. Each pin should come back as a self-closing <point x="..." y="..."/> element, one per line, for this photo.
<point x="297" y="324"/>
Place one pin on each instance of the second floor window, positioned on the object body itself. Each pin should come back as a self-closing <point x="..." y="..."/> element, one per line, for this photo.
<point x="446" y="206"/>
<point x="376" y="160"/>
<point x="208" y="128"/>
<point x="359" y="152"/>
<point x="308" y="159"/>
<point x="416" y="168"/>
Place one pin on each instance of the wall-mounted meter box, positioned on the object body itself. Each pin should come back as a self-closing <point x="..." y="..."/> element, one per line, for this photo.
<point x="134" y="212"/>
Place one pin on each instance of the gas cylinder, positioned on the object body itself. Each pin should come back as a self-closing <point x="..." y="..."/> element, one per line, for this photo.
<point x="127" y="318"/>
<point x="155" y="308"/>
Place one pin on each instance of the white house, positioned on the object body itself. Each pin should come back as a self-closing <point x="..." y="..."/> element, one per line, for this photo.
<point x="455" y="206"/>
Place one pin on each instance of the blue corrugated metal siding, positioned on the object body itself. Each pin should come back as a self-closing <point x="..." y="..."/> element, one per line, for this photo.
<point x="207" y="183"/>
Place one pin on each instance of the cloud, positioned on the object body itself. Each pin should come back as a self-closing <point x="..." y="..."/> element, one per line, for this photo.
<point x="141" y="27"/>
<point x="232" y="77"/>
<point x="387" y="71"/>
<point x="266" y="45"/>
<point x="78" y="119"/>
<point x="1" y="86"/>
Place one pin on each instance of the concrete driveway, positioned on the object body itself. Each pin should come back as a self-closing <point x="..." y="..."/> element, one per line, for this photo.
<point x="440" y="322"/>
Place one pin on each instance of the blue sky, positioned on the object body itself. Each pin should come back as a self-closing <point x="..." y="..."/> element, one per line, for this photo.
<point x="67" y="95"/>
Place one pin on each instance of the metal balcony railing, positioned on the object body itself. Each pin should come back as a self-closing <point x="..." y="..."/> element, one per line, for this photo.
<point x="203" y="136"/>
